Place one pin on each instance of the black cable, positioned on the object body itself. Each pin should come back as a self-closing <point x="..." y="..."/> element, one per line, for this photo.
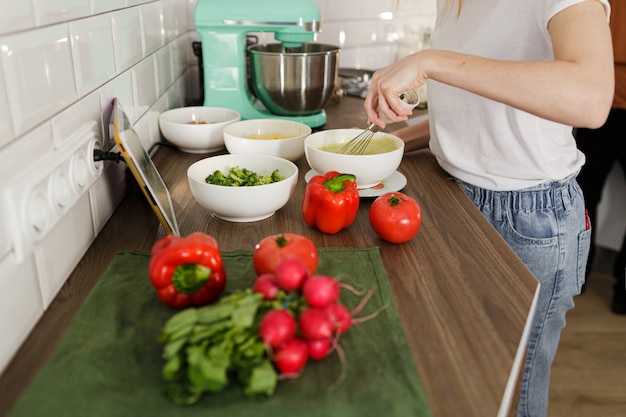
<point x="100" y="155"/>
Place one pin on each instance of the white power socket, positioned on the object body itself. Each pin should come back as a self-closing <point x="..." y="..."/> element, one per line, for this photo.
<point x="41" y="196"/>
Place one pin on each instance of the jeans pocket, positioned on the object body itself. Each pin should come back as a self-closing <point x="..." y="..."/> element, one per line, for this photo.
<point x="584" y="243"/>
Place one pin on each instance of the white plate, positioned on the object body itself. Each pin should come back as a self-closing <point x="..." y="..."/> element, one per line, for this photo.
<point x="395" y="182"/>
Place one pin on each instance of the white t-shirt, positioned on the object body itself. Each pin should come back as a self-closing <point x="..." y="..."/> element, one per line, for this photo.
<point x="484" y="142"/>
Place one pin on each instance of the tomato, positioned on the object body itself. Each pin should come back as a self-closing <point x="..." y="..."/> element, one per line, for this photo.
<point x="395" y="217"/>
<point x="268" y="253"/>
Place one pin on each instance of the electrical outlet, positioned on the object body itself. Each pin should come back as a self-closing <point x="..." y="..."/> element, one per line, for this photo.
<point x="42" y="195"/>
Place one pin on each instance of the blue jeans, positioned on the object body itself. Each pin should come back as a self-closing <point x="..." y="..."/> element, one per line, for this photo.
<point x="546" y="227"/>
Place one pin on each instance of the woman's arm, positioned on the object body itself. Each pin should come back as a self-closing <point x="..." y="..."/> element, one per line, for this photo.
<point x="576" y="88"/>
<point x="415" y="137"/>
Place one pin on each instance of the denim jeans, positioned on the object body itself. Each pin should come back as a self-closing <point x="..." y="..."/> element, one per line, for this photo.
<point x="546" y="227"/>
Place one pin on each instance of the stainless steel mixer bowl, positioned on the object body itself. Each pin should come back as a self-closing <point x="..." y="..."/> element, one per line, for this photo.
<point x="294" y="81"/>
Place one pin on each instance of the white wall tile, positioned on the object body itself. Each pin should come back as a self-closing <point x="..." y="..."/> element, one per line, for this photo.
<point x="71" y="119"/>
<point x="55" y="11"/>
<point x="21" y="305"/>
<point x="181" y="48"/>
<point x="38" y="69"/>
<point x="152" y="26"/>
<point x="130" y="3"/>
<point x="107" y="193"/>
<point x="164" y="70"/>
<point x="174" y="19"/>
<point x="127" y="38"/>
<point x="190" y="9"/>
<point x="332" y="33"/>
<point x="27" y="151"/>
<point x="144" y="85"/>
<point x="92" y="47"/>
<point x="101" y="6"/>
<point x="343" y="10"/>
<point x="373" y="8"/>
<point x="6" y="127"/>
<point x="16" y="15"/>
<point x="61" y="249"/>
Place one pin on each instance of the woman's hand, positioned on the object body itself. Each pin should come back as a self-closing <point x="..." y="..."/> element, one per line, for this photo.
<point x="383" y="97"/>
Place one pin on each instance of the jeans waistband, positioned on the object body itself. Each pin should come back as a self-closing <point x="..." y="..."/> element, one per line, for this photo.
<point x="555" y="194"/>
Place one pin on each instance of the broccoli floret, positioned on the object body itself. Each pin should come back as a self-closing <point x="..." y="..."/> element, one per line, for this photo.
<point x="276" y="176"/>
<point x="242" y="177"/>
<point x="218" y="178"/>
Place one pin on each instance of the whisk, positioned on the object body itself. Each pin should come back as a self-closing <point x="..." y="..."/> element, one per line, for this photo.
<point x="358" y="145"/>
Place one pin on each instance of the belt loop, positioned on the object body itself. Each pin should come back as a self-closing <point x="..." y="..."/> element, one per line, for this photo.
<point x="565" y="197"/>
<point x="497" y="206"/>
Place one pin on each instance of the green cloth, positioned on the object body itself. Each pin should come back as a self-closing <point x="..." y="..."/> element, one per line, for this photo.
<point x="109" y="362"/>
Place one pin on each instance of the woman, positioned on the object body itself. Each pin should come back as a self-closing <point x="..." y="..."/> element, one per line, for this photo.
<point x="507" y="80"/>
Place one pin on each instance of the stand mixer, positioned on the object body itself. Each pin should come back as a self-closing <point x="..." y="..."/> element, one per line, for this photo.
<point x="223" y="27"/>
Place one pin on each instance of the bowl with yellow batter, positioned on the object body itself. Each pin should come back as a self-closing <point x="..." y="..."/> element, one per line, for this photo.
<point x="276" y="137"/>
<point x="379" y="161"/>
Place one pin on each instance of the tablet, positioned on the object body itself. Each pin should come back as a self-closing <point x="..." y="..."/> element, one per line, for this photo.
<point x="143" y="169"/>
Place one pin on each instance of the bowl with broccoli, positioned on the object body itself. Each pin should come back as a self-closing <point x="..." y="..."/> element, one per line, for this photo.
<point x="242" y="187"/>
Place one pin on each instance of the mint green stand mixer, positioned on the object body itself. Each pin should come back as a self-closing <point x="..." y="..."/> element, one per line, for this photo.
<point x="223" y="26"/>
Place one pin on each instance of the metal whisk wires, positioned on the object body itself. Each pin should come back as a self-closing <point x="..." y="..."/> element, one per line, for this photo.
<point x="358" y="144"/>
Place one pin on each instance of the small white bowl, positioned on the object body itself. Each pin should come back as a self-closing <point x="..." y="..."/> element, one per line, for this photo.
<point x="242" y="204"/>
<point x="278" y="137"/>
<point x="197" y="129"/>
<point x="369" y="170"/>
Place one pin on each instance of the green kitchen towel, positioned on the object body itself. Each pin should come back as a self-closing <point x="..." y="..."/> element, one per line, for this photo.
<point x="109" y="362"/>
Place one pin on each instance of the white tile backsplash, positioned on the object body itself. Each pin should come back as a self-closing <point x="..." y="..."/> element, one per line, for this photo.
<point x="127" y="38"/>
<point x="21" y="304"/>
<point x="102" y="6"/>
<point x="39" y="76"/>
<point x="54" y="11"/>
<point x="151" y="18"/>
<point x="59" y="252"/>
<point x="368" y="40"/>
<point x="92" y="47"/>
<point x="144" y="84"/>
<point x="6" y="127"/>
<point x="61" y="64"/>
<point x="16" y="15"/>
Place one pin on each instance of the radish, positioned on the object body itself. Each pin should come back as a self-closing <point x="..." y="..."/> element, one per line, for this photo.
<point x="277" y="327"/>
<point x="339" y="316"/>
<point x="266" y="285"/>
<point x="291" y="273"/>
<point x="291" y="357"/>
<point x="320" y="291"/>
<point x="319" y="348"/>
<point x="314" y="324"/>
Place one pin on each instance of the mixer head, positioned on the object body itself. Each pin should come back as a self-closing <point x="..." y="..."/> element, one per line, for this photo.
<point x="292" y="21"/>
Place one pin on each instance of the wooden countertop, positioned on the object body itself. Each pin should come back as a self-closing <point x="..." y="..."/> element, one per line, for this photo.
<point x="463" y="296"/>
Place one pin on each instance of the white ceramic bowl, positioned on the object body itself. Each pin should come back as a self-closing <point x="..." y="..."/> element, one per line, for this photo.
<point x="278" y="137"/>
<point x="369" y="170"/>
<point x="242" y="204"/>
<point x="197" y="129"/>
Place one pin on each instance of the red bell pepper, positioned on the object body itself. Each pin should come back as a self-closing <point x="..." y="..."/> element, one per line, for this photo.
<point x="188" y="270"/>
<point x="331" y="201"/>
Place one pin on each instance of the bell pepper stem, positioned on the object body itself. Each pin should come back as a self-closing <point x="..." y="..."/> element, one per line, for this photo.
<point x="189" y="278"/>
<point x="336" y="184"/>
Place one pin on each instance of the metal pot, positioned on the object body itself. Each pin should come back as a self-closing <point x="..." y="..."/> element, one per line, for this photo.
<point x="294" y="81"/>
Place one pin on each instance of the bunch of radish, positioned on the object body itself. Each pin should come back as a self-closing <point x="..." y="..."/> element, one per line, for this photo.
<point x="293" y="336"/>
